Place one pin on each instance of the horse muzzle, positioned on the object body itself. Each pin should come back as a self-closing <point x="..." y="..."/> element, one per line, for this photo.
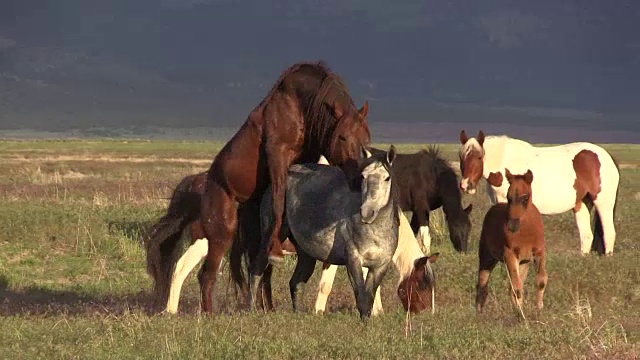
<point x="367" y="216"/>
<point x="467" y="186"/>
<point x="513" y="225"/>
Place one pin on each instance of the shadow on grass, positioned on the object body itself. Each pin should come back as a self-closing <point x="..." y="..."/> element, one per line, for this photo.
<point x="40" y="301"/>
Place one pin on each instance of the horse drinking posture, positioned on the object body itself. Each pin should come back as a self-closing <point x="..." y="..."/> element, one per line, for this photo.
<point x="307" y="113"/>
<point x="417" y="281"/>
<point x="327" y="221"/>
<point x="513" y="233"/>
<point x="577" y="176"/>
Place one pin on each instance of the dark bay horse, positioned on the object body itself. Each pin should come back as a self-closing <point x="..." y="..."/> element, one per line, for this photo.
<point x="513" y="233"/>
<point x="307" y="113"/>
<point x="426" y="182"/>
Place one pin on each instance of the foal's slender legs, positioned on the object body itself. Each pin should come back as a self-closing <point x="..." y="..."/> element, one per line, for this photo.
<point x="524" y="270"/>
<point x="541" y="278"/>
<point x="219" y="221"/>
<point x="373" y="279"/>
<point x="486" y="264"/>
<point x="356" y="277"/>
<point x="512" y="263"/>
<point x="304" y="269"/>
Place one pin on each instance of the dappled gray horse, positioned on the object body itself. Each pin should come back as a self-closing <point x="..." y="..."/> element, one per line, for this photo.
<point x="330" y="223"/>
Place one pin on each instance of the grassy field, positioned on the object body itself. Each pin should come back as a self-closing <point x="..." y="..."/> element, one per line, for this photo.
<point x="73" y="281"/>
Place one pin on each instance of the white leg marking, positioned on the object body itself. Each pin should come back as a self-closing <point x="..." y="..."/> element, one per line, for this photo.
<point x="324" y="287"/>
<point x="187" y="262"/>
<point x="583" y="220"/>
<point x="425" y="238"/>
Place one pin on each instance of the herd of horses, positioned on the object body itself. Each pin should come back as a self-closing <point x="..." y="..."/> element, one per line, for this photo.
<point x="300" y="176"/>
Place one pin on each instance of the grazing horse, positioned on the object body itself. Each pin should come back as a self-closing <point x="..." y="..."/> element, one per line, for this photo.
<point x="307" y="113"/>
<point x="329" y="222"/>
<point x="576" y="176"/>
<point x="417" y="281"/>
<point x="513" y="233"/>
<point x="427" y="182"/>
<point x="163" y="242"/>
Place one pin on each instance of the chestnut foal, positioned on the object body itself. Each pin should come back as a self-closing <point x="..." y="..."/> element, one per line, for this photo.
<point x="513" y="233"/>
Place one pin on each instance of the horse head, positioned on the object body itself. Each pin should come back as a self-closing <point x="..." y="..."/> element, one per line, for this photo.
<point x="518" y="197"/>
<point x="471" y="161"/>
<point x="417" y="291"/>
<point x="376" y="183"/>
<point x="349" y="136"/>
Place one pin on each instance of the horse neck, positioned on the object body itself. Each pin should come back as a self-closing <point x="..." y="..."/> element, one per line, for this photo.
<point x="408" y="249"/>
<point x="450" y="195"/>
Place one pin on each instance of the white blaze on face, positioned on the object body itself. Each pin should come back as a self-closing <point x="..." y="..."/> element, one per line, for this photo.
<point x="376" y="189"/>
<point x="323" y="160"/>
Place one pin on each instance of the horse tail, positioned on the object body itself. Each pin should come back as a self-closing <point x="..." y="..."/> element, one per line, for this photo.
<point x="163" y="240"/>
<point x="598" y="232"/>
<point x="238" y="251"/>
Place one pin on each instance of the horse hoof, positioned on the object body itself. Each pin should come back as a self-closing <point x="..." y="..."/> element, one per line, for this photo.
<point x="275" y="260"/>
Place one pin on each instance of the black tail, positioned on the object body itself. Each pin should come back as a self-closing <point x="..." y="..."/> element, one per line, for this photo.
<point x="598" y="235"/>
<point x="163" y="239"/>
<point x="598" y="232"/>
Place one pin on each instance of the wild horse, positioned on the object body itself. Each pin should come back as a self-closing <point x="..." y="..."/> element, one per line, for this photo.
<point x="307" y="113"/>
<point x="329" y="222"/>
<point x="578" y="176"/>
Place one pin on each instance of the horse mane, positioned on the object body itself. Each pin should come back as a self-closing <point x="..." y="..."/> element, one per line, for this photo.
<point x="317" y="100"/>
<point x="438" y="163"/>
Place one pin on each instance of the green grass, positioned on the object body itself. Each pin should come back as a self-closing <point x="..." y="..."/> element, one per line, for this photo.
<point x="73" y="281"/>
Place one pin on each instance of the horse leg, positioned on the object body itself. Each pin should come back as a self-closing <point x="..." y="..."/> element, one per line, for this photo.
<point x="373" y="279"/>
<point x="196" y="252"/>
<point x="280" y="159"/>
<point x="541" y="278"/>
<point x="420" y="227"/>
<point x="304" y="269"/>
<point x="327" y="277"/>
<point x="524" y="270"/>
<point x="486" y="264"/>
<point x="583" y="220"/>
<point x="219" y="222"/>
<point x="512" y="263"/>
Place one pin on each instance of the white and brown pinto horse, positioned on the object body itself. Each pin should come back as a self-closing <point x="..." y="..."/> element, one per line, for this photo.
<point x="576" y="176"/>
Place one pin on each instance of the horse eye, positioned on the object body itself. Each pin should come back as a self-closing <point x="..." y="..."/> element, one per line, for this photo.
<point x="342" y="138"/>
<point x="387" y="179"/>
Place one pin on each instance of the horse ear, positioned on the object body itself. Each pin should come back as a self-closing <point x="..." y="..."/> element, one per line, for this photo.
<point x="364" y="152"/>
<point x="433" y="257"/>
<point x="364" y="110"/>
<point x="468" y="209"/>
<point x="463" y="137"/>
<point x="507" y="173"/>
<point x="528" y="177"/>
<point x="480" y="138"/>
<point x="337" y="109"/>
<point x="420" y="263"/>
<point x="391" y="154"/>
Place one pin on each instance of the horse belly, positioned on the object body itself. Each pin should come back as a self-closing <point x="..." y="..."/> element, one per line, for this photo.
<point x="322" y="245"/>
<point x="553" y="191"/>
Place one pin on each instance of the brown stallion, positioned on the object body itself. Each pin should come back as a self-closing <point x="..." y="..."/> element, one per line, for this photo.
<point x="307" y="113"/>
